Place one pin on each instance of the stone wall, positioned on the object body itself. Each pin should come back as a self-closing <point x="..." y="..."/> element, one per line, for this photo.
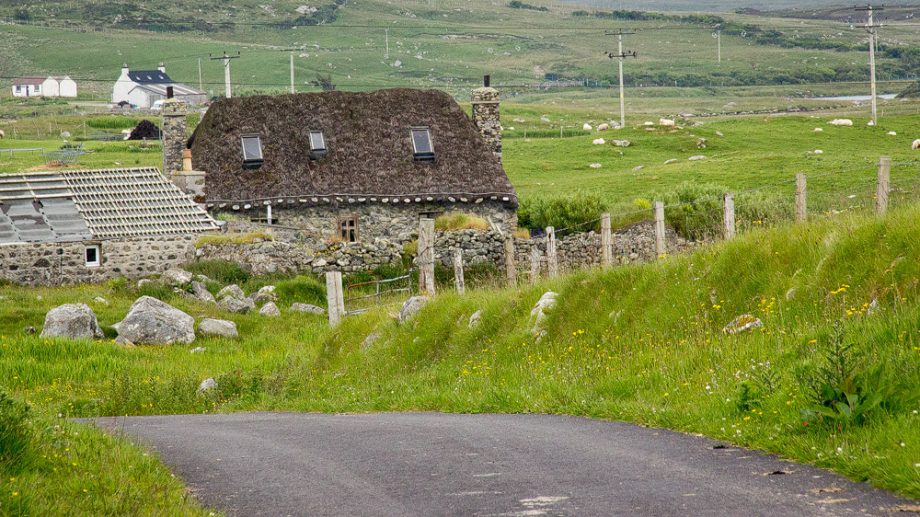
<point x="57" y="263"/>
<point x="394" y="222"/>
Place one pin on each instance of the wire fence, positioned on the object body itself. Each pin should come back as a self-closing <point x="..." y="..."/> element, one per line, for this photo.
<point x="363" y="296"/>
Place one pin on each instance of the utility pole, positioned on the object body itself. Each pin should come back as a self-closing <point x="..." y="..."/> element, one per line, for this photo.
<point x="620" y="55"/>
<point x="200" y="83"/>
<point x="386" y="37"/>
<point x="871" y="28"/>
<point x="718" y="36"/>
<point x="226" y="59"/>
<point x="292" y="73"/>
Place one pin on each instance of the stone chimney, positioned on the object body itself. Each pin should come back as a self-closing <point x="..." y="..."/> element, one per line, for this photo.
<point x="485" y="102"/>
<point x="174" y="137"/>
<point x="162" y="67"/>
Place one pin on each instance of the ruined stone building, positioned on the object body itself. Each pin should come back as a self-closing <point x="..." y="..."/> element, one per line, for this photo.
<point x="344" y="166"/>
<point x="67" y="227"/>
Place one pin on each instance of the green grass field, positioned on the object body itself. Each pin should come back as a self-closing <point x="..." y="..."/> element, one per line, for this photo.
<point x="638" y="343"/>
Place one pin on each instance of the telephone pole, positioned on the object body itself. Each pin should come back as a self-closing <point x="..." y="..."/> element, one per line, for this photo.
<point x="718" y="36"/>
<point x="226" y="59"/>
<point x="386" y="37"/>
<point x="292" y="73"/>
<point x="620" y="55"/>
<point x="200" y="84"/>
<point x="871" y="28"/>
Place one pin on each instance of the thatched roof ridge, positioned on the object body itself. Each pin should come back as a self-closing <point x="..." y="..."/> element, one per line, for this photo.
<point x="369" y="148"/>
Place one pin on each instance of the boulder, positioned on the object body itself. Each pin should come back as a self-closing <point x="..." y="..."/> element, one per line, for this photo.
<point x="669" y="162"/>
<point x="697" y="158"/>
<point x="231" y="291"/>
<point x="100" y="300"/>
<point x="270" y="309"/>
<point x="412" y="307"/>
<point x="719" y="133"/>
<point x="265" y="294"/>
<point x="666" y="122"/>
<point x="72" y="320"/>
<point x="217" y="328"/>
<point x="603" y="127"/>
<point x="153" y="322"/>
<point x="638" y="168"/>
<point x="595" y="165"/>
<point x="621" y="143"/>
<point x="540" y="312"/>
<point x="307" y="308"/>
<point x="841" y="122"/>
<point x="176" y="277"/>
<point x="742" y="323"/>
<point x="207" y="385"/>
<point x="198" y="350"/>
<point x="236" y="305"/>
<point x="586" y="126"/>
<point x="598" y="141"/>
<point x="201" y="292"/>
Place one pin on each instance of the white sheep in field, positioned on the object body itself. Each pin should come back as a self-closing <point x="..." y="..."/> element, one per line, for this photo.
<point x="666" y="122"/>
<point x="603" y="127"/>
<point x="841" y="122"/>
<point x="2" y="134"/>
<point x="916" y="145"/>
<point x="599" y="141"/>
<point x="586" y="127"/>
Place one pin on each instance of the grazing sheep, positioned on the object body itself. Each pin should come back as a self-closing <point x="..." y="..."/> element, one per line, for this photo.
<point x="819" y="129"/>
<point x="2" y="134"/>
<point x="892" y="133"/>
<point x="697" y="158"/>
<point x="666" y="122"/>
<point x="817" y="151"/>
<point x="603" y="127"/>
<point x="648" y="123"/>
<point x="916" y="145"/>
<point x="841" y="122"/>
<point x="621" y="143"/>
<point x="599" y="141"/>
<point x="586" y="127"/>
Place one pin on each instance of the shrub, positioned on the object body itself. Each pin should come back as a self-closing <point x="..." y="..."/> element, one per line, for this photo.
<point x="222" y="271"/>
<point x="15" y="433"/>
<point x="696" y="212"/>
<point x="112" y="122"/>
<point x="303" y="289"/>
<point x="571" y="212"/>
<point x="460" y="221"/>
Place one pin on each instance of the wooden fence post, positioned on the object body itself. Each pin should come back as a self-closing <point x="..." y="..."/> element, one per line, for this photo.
<point x="728" y="203"/>
<point x="884" y="185"/>
<point x="510" y="267"/>
<point x="801" y="196"/>
<point x="335" y="302"/>
<point x="606" y="241"/>
<point x="458" y="271"/>
<point x="534" y="263"/>
<point x="426" y="256"/>
<point x="552" y="265"/>
<point x="660" y="245"/>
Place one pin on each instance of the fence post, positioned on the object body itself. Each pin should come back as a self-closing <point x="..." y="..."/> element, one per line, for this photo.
<point x="552" y="265"/>
<point x="458" y="271"/>
<point x="884" y="185"/>
<point x="728" y="203"/>
<point x="606" y="241"/>
<point x="510" y="267"/>
<point x="801" y="196"/>
<point x="534" y="263"/>
<point x="426" y="256"/>
<point x="335" y="302"/>
<point x="660" y="247"/>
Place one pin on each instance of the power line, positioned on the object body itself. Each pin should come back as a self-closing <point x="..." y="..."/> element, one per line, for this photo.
<point x="620" y="55"/>
<point x="226" y="59"/>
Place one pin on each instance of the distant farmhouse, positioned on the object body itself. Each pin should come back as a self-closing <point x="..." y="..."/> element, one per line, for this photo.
<point x="88" y="226"/>
<point x="346" y="166"/>
<point x="141" y="88"/>
<point x="44" y="86"/>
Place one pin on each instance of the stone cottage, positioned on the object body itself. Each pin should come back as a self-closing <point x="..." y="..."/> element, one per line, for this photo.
<point x="68" y="227"/>
<point x="343" y="166"/>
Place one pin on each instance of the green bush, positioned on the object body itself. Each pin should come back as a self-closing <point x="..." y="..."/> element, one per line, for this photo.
<point x="301" y="289"/>
<point x="15" y="433"/>
<point x="112" y="122"/>
<point x="570" y="212"/>
<point x="222" y="271"/>
<point x="696" y="212"/>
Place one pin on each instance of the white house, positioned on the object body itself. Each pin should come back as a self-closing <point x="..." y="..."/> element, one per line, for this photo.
<point x="44" y="87"/>
<point x="141" y="88"/>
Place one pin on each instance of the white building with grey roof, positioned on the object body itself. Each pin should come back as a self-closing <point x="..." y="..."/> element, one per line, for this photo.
<point x="142" y="88"/>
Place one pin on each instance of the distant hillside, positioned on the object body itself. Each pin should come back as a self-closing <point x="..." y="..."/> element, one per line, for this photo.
<point x="846" y="14"/>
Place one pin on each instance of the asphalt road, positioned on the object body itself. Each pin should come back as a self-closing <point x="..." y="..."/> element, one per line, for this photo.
<point x="443" y="464"/>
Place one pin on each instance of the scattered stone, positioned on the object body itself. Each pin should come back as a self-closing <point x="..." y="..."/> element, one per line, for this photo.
<point x="73" y="321"/>
<point x="841" y="122"/>
<point x="701" y="143"/>
<point x="201" y="292"/>
<point x="217" y="328"/>
<point x="307" y="308"/>
<point x="232" y="291"/>
<point x="666" y="122"/>
<point x="153" y="322"/>
<point x="100" y="300"/>
<point x="892" y="133"/>
<point x="669" y="162"/>
<point x="207" y="385"/>
<point x="540" y="312"/>
<point x="203" y="279"/>
<point x="817" y="151"/>
<point x="648" y="123"/>
<point x="621" y="143"/>
<point x="123" y="341"/>
<point x="411" y="308"/>
<point x="595" y="165"/>
<point x="265" y="294"/>
<point x="270" y="310"/>
<point x="599" y="141"/>
<point x="586" y="127"/>
<point x="603" y="127"/>
<point x="370" y="340"/>
<point x="143" y="281"/>
<point x="719" y="133"/>
<point x="819" y="130"/>
<point x="198" y="350"/>
<point x="176" y="277"/>
<point x="697" y="158"/>
<point x="742" y="323"/>
<point x="475" y="319"/>
<point x="236" y="305"/>
<point x="638" y="168"/>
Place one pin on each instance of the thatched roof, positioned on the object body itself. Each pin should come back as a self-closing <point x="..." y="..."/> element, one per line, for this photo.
<point x="369" y="155"/>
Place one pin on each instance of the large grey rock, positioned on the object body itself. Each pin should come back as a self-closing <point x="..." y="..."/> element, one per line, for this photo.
<point x="207" y="385"/>
<point x="265" y="294"/>
<point x="411" y="308"/>
<point x="176" y="277"/>
<point x="153" y="322"/>
<point x="270" y="310"/>
<point x="217" y="328"/>
<point x="201" y="292"/>
<point x="540" y="312"/>
<point x="307" y="308"/>
<point x="72" y="320"/>
<point x="231" y="291"/>
<point x="236" y="305"/>
<point x="742" y="323"/>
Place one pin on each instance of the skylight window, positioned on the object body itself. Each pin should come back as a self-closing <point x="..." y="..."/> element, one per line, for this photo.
<point x="252" y="151"/>
<point x="317" y="144"/>
<point x="421" y="144"/>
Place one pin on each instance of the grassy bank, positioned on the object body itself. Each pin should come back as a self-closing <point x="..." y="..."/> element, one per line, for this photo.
<point x="830" y="379"/>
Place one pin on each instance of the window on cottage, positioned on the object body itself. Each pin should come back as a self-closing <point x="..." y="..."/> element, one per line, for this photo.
<point x="252" y="151"/>
<point x="92" y="256"/>
<point x="422" y="148"/>
<point x="18" y="89"/>
<point x="317" y="144"/>
<point x="348" y="229"/>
